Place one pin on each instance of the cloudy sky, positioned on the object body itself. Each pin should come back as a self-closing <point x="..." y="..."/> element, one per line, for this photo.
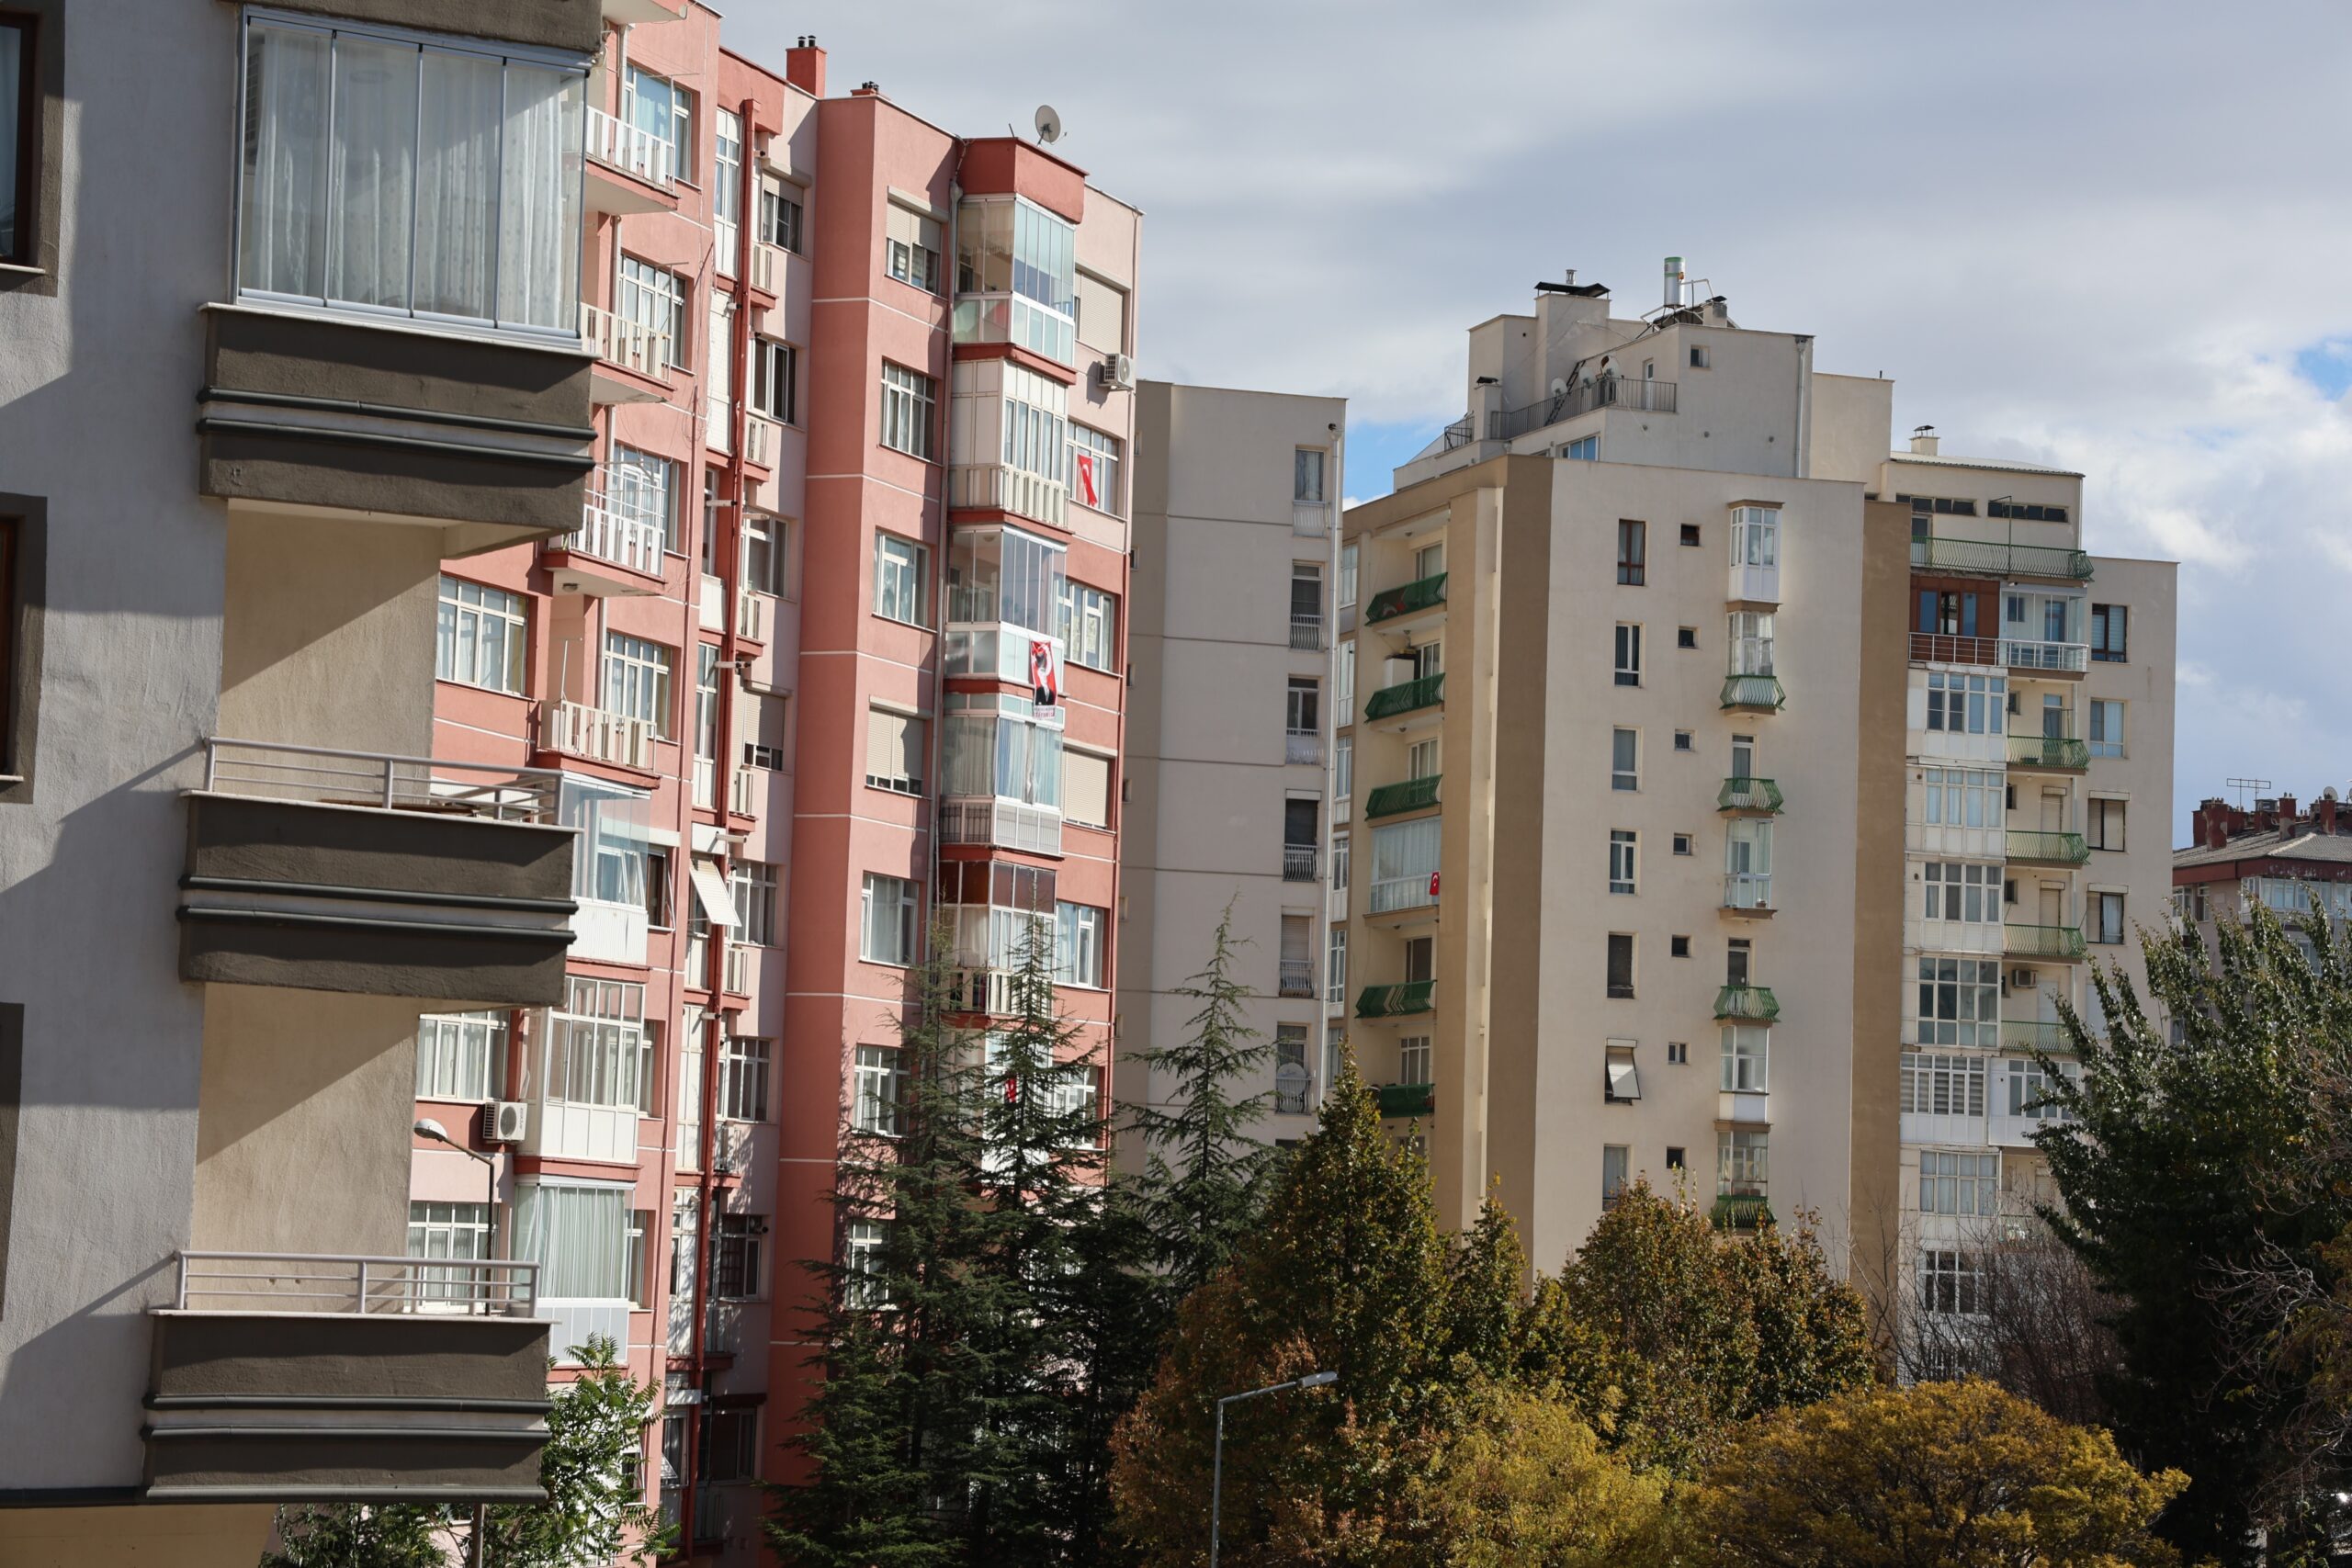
<point x="2111" y="236"/>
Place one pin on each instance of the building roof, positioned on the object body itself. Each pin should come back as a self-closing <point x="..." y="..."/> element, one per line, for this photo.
<point x="2332" y="849"/>
<point x="2003" y="466"/>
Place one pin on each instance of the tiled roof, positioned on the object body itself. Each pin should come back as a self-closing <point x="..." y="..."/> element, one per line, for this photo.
<point x="2335" y="849"/>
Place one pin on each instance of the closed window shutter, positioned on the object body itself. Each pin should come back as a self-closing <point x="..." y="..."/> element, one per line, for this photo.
<point x="1086" y="788"/>
<point x="893" y="746"/>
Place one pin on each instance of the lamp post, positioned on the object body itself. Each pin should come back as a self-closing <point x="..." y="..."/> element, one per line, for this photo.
<point x="426" y="1127"/>
<point x="1216" y="1469"/>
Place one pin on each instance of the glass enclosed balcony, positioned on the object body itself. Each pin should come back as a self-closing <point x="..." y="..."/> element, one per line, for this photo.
<point x="1017" y="277"/>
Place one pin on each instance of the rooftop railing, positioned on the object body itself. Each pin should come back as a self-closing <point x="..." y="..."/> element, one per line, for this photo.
<point x="268" y="771"/>
<point x="350" y="1282"/>
<point x="1603" y="392"/>
<point x="1995" y="559"/>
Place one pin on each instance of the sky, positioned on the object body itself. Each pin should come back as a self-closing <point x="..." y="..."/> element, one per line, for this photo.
<point x="2111" y="236"/>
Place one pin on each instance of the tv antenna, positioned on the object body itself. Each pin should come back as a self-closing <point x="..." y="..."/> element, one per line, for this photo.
<point x="2242" y="786"/>
<point x="1049" y="125"/>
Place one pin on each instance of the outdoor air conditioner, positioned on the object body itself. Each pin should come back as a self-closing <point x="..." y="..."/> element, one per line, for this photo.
<point x="504" y="1121"/>
<point x="2023" y="980"/>
<point x="1119" y="372"/>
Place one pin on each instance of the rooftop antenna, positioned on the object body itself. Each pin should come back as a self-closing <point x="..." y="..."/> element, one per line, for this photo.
<point x="2242" y="786"/>
<point x="1049" y="125"/>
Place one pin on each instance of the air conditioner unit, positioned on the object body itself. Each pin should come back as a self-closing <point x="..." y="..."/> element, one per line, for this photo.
<point x="2024" y="980"/>
<point x="1119" y="372"/>
<point x="505" y="1120"/>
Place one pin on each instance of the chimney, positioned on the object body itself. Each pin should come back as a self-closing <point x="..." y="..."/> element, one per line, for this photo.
<point x="2324" y="814"/>
<point x="2217" y="832"/>
<point x="804" y="66"/>
<point x="1923" y="441"/>
<point x="2197" y="825"/>
<point x="2287" y="814"/>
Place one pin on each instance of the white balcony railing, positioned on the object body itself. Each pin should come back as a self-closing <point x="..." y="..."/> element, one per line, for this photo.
<point x="767" y="266"/>
<point x="738" y="975"/>
<point x="990" y="991"/>
<point x="743" y="792"/>
<point x="1755" y="584"/>
<point x="616" y="535"/>
<point x="718" y="423"/>
<point x="993" y="487"/>
<point x="264" y="769"/>
<point x="1302" y="746"/>
<point x="750" y="614"/>
<point x="1296" y="978"/>
<point x="616" y="339"/>
<point x="1310" y="519"/>
<point x="1747" y="890"/>
<point x="2065" y="658"/>
<point x="580" y="730"/>
<point x="761" y="438"/>
<point x="1413" y="892"/>
<point x="617" y="144"/>
<point x="1003" y="824"/>
<point x="351" y="1282"/>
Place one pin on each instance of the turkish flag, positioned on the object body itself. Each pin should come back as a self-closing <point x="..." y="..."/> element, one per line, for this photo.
<point x="1042" y="689"/>
<point x="1433" y="885"/>
<point x="1086" y="490"/>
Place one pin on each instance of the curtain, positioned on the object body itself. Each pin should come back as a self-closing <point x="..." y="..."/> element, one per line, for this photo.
<point x="283" y="231"/>
<point x="458" y="193"/>
<point x="578" y="1235"/>
<point x="374" y="171"/>
<point x="538" y="218"/>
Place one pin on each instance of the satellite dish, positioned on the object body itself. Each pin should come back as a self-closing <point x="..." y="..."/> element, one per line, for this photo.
<point x="1049" y="124"/>
<point x="1559" y="387"/>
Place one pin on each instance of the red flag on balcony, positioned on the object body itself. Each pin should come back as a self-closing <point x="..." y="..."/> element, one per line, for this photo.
<point x="1086" y="490"/>
<point x="1433" y="885"/>
<point x="1042" y="689"/>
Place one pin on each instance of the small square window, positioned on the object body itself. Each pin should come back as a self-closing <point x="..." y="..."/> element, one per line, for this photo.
<point x="1674" y="1160"/>
<point x="1678" y="1051"/>
<point x="1698" y="357"/>
<point x="1690" y="535"/>
<point x="1682" y="843"/>
<point x="1682" y="740"/>
<point x="1686" y="637"/>
<point x="1679" y="947"/>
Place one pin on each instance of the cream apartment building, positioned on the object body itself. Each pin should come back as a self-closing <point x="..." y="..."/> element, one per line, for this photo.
<point x="1231" y="621"/>
<point x="1640" y="743"/>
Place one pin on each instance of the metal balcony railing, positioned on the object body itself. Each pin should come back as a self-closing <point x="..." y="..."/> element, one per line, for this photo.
<point x="2043" y="942"/>
<point x="2059" y="658"/>
<point x="1749" y="1004"/>
<point x="1753" y="694"/>
<point x="1748" y="797"/>
<point x="1299" y="863"/>
<point x="1390" y="700"/>
<point x="352" y="1283"/>
<point x="1293" y="1098"/>
<point x="2036" y="846"/>
<point x="1424" y="593"/>
<point x="617" y="144"/>
<point x="1941" y="648"/>
<point x="2053" y="753"/>
<point x="1603" y="393"/>
<point x="1305" y="633"/>
<point x="616" y="339"/>
<point x="265" y="771"/>
<point x="1413" y="794"/>
<point x="584" y="731"/>
<point x="1993" y="558"/>
<point x="1397" y="1000"/>
<point x="1302" y="746"/>
<point x="1407" y="1099"/>
<point x="613" y="533"/>
<point x="2016" y="1034"/>
<point x="1461" y="432"/>
<point x="1740" y="1212"/>
<point x="1296" y="978"/>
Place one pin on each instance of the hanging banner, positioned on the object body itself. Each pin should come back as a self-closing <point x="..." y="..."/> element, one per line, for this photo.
<point x="1043" y="690"/>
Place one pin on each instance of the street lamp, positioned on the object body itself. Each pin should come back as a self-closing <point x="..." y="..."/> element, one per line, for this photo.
<point x="427" y="1128"/>
<point x="1216" y="1471"/>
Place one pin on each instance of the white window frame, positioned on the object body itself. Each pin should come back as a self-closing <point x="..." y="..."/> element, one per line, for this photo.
<point x="2106" y="732"/>
<point x="640" y="679"/>
<point x="461" y="1055"/>
<point x="1625" y="773"/>
<point x="1090" y="625"/>
<point x="1335" y="968"/>
<point x="909" y="412"/>
<point x="1951" y="889"/>
<point x="1628" y="653"/>
<point x="1747" y="1058"/>
<point x="468" y="606"/>
<point x="880" y="1091"/>
<point x="1965" y="1183"/>
<point x="1624" y="861"/>
<point x="1080" y="932"/>
<point x="1952" y="1283"/>
<point x="1973" y="987"/>
<point x="775" y="379"/>
<point x="893" y="898"/>
<point x="744" y="1066"/>
<point x="1109" y="454"/>
<point x="753" y="883"/>
<point x="901" y="576"/>
<point x="1943" y="1083"/>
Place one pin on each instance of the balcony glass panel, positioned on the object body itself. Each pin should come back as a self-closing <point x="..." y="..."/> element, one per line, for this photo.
<point x="1404" y="865"/>
<point x="1016" y="281"/>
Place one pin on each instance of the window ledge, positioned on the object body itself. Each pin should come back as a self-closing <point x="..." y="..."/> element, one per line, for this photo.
<point x="534" y="342"/>
<point x="17" y="269"/>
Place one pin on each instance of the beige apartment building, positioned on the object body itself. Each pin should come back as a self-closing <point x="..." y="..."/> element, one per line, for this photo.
<point x="1229" y="729"/>
<point x="1652" y="734"/>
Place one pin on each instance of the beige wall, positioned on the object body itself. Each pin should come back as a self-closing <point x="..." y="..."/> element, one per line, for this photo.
<point x="1852" y="421"/>
<point x="161" y="1536"/>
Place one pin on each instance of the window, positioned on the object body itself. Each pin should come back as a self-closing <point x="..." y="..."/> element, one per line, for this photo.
<point x="1079" y="933"/>
<point x="727" y="186"/>
<point x="1404" y="865"/>
<point x="779" y="216"/>
<point x="1086" y="788"/>
<point x="1421" y="759"/>
<point x="664" y="112"/>
<point x="609" y="867"/>
<point x="1633" y="552"/>
<point x="1966" y="705"/>
<point x="1738" y="956"/>
<point x="1615" y="1158"/>
<point x="1303" y="716"/>
<point x="19" y="104"/>
<point x="764" y="552"/>
<point x="1089" y="627"/>
<point x="881" y="1089"/>
<point x="1935" y="1084"/>
<point x="705" y="715"/>
<point x="1678" y="947"/>
<point x="1414" y="1058"/>
<point x="1959" y="1001"/>
<point x="482" y="632"/>
<point x="894" y="750"/>
<point x="1682" y="740"/>
<point x="643" y="488"/>
<point x="459" y="1232"/>
<point x="1343" y="683"/>
<point x="753" y="884"/>
<point x="1629" y="655"/>
<point x="655" y="299"/>
<point x="2107" y="728"/>
<point x="736" y="1258"/>
<point x="775" y="379"/>
<point x="864" y="1285"/>
<point x="1339" y="857"/>
<point x="732" y="1449"/>
<point x="1751" y="637"/>
<point x="1951" y="1283"/>
<point x="637" y="680"/>
<point x="910" y="248"/>
<point x="744" y="1079"/>
<point x="2033" y="1092"/>
<point x="1307" y="474"/>
<point x="1691" y="536"/>
<point x="1958" y="1184"/>
<point x="1584" y="449"/>
<point x="1625" y="755"/>
<point x="1622" y="855"/>
<point x="1306" y="606"/>
<point x="1970" y="894"/>
<point x="1620" y="964"/>
<point x="1347" y="594"/>
<point x="1964" y="798"/>
<point x="461" y="1055"/>
<point x="1102" y="312"/>
<point x="1094" y="464"/>
<point x="2107" y="917"/>
<point x="578" y="1234"/>
<point x="1756" y="537"/>
<point x="1028" y="258"/>
<point x="1746" y="1049"/>
<point x="887" y="926"/>
<point x="1686" y="637"/>
<point x="428" y="182"/>
<point x="656" y="887"/>
<point x="2024" y="511"/>
<point x="1700" y="357"/>
<point x="2106" y="825"/>
<point x="1942" y="505"/>
<point x="901" y="572"/>
<point x="1343" y="759"/>
<point x="1682" y="843"/>
<point x="1335" y="968"/>
<point x="1677" y="1054"/>
<point x="910" y="407"/>
<point x="594" y="1045"/>
<point x="1742" y="1166"/>
<point x="996" y="745"/>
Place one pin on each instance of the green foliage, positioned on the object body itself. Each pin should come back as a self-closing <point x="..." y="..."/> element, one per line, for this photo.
<point x="1956" y="1474"/>
<point x="2192" y="1170"/>
<point x="593" y="1514"/>
<point x="349" y="1534"/>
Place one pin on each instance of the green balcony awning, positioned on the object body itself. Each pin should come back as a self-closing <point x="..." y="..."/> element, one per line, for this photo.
<point x="1750" y="1004"/>
<point x="1397" y="1001"/>
<point x="1410" y="795"/>
<point x="1426" y="594"/>
<point x="1390" y="700"/>
<point x="1407" y="1099"/>
<point x="2035" y="846"/>
<point x="1753" y="796"/>
<point x="1753" y="694"/>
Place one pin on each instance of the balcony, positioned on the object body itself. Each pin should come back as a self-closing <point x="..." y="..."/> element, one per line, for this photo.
<point x="2017" y="1034"/>
<point x="1293" y="1094"/>
<point x="719" y="422"/>
<point x="2049" y="753"/>
<point x="1299" y="863"/>
<point x="618" y="549"/>
<point x="1306" y="634"/>
<point x="2033" y="846"/>
<point x="993" y="992"/>
<point x="1412" y="891"/>
<point x="1749" y="894"/>
<point x="1747" y="1004"/>
<point x="1310" y="519"/>
<point x="578" y="731"/>
<point x="1941" y="648"/>
<point x="991" y="487"/>
<point x="2063" y="943"/>
<point x="1752" y="584"/>
<point x="1426" y="594"/>
<point x="751" y="615"/>
<point x="1302" y="746"/>
<point x="1397" y="1001"/>
<point x="2051" y="660"/>
<point x="650" y="163"/>
<point x="1606" y="392"/>
<point x="1408" y="1100"/>
<point x="762" y="439"/>
<point x="1413" y="794"/>
<point x="369" y="1380"/>
<point x="1001" y="824"/>
<point x="621" y="344"/>
<point x="1991" y="559"/>
<point x="767" y="267"/>
<point x="1408" y="697"/>
<point x="1296" y="978"/>
<point x="1741" y="1212"/>
<point x="376" y="874"/>
<point x="1748" y="797"/>
<point x="735" y="970"/>
<point x="1752" y="693"/>
<point x="1744" y="1108"/>
<point x="743" y="792"/>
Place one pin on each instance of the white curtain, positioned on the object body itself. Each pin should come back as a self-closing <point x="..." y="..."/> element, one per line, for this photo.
<point x="578" y="1235"/>
<point x="457" y="194"/>
<point x="538" y="218"/>
<point x="284" y="226"/>
<point x="374" y="171"/>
